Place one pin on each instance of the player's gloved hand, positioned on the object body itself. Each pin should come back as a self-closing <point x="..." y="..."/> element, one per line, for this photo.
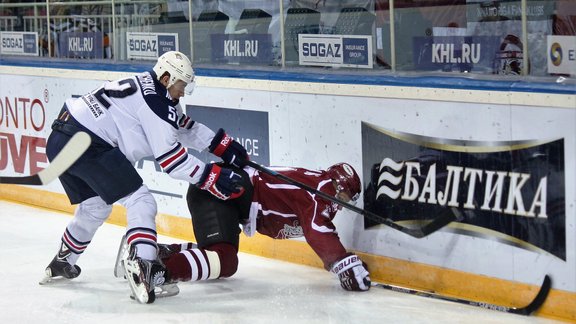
<point x="228" y="149"/>
<point x="221" y="182"/>
<point x="353" y="273"/>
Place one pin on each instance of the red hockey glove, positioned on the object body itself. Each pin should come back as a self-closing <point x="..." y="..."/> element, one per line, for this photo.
<point x="228" y="149"/>
<point x="221" y="182"/>
<point x="353" y="273"/>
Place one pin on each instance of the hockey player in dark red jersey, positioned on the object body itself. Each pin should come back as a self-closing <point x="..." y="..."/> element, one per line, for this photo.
<point x="129" y="119"/>
<point x="273" y="208"/>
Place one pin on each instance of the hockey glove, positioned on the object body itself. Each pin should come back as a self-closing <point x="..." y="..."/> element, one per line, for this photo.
<point x="228" y="149"/>
<point x="352" y="273"/>
<point x="221" y="182"/>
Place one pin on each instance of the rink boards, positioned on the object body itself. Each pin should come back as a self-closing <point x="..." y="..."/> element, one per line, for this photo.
<point x="502" y="155"/>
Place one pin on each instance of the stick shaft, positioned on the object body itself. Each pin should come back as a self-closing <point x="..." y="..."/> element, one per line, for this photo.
<point x="415" y="232"/>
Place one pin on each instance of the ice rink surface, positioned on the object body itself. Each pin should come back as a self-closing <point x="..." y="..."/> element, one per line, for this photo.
<point x="262" y="291"/>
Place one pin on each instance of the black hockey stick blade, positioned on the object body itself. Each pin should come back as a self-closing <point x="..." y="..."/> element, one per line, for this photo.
<point x="77" y="145"/>
<point x="421" y="232"/>
<point x="417" y="232"/>
<point x="537" y="301"/>
<point x="527" y="310"/>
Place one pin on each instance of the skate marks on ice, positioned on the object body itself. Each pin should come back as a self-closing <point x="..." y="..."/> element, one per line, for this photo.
<point x="262" y="291"/>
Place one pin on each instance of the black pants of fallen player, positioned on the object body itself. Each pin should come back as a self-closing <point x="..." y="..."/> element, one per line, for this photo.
<point x="216" y="227"/>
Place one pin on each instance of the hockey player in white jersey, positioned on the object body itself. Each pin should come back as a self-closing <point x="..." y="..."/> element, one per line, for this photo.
<point x="130" y="119"/>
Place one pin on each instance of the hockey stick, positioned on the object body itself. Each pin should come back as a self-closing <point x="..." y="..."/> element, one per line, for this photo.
<point x="423" y="231"/>
<point x="77" y="145"/>
<point x="533" y="306"/>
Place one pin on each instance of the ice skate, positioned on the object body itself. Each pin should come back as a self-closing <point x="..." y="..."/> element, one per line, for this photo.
<point x="164" y="251"/>
<point x="144" y="276"/>
<point x="59" y="269"/>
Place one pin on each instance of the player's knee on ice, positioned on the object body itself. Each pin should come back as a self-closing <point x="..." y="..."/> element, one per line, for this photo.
<point x="228" y="255"/>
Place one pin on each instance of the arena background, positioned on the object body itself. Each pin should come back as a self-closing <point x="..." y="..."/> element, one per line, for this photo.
<point x="441" y="126"/>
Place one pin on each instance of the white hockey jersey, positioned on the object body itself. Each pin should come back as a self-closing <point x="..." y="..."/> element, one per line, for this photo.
<point x="138" y="116"/>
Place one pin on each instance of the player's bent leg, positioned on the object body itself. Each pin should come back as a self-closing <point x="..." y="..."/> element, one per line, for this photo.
<point x="165" y="251"/>
<point x="217" y="261"/>
<point x="142" y="268"/>
<point x="88" y="217"/>
<point x="228" y="256"/>
<point x="216" y="227"/>
<point x="141" y="211"/>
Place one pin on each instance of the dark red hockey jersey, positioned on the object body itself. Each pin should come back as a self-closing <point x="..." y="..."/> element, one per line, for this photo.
<point x="287" y="211"/>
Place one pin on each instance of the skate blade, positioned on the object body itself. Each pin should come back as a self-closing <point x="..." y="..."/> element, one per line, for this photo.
<point x="139" y="292"/>
<point x="47" y="280"/>
<point x="163" y="291"/>
<point x="119" y="271"/>
<point x="167" y="291"/>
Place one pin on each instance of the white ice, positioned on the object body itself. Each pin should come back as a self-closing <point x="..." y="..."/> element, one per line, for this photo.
<point x="262" y="291"/>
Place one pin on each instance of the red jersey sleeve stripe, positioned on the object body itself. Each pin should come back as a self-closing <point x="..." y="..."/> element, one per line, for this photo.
<point x="172" y="159"/>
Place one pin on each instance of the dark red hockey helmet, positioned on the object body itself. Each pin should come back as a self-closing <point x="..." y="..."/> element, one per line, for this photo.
<point x="346" y="178"/>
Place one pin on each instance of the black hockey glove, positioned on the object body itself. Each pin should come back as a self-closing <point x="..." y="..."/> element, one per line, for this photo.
<point x="353" y="273"/>
<point x="228" y="149"/>
<point x="221" y="182"/>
